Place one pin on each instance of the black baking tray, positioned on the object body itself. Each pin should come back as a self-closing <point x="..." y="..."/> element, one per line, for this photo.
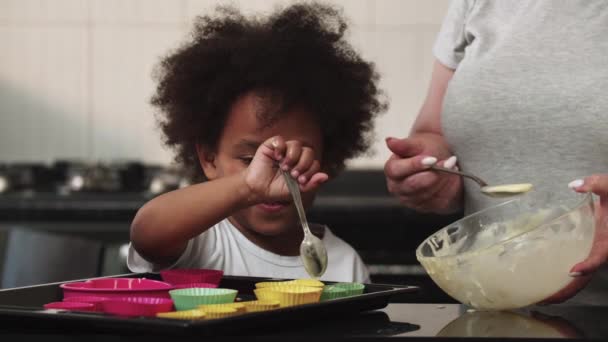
<point x="21" y="308"/>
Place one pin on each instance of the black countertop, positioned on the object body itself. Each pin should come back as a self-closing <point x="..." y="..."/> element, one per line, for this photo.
<point x="409" y="322"/>
<point x="439" y="321"/>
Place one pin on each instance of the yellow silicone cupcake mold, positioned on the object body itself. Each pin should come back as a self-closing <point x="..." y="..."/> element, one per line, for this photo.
<point x="266" y="293"/>
<point x="266" y="284"/>
<point x="261" y="305"/>
<point x="220" y="312"/>
<point x="186" y="314"/>
<point x="290" y="295"/>
<point x="239" y="307"/>
<point x="306" y="282"/>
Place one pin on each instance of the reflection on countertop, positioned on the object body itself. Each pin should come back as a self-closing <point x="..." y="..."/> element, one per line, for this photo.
<point x="509" y="324"/>
<point x="447" y="321"/>
<point x="455" y="320"/>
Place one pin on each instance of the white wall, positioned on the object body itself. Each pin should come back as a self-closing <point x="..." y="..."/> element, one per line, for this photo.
<point x="75" y="75"/>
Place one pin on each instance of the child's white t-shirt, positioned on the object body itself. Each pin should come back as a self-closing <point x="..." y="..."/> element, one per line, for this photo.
<point x="224" y="247"/>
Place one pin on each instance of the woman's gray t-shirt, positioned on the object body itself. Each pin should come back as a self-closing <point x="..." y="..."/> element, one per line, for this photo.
<point x="527" y="102"/>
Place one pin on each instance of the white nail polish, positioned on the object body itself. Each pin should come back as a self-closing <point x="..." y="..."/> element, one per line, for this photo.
<point x="575" y="274"/>
<point x="576" y="183"/>
<point x="428" y="161"/>
<point x="450" y="162"/>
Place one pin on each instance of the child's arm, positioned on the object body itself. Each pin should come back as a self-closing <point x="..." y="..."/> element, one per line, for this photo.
<point x="162" y="227"/>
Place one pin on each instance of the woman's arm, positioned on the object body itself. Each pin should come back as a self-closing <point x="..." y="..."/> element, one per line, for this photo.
<point x="406" y="170"/>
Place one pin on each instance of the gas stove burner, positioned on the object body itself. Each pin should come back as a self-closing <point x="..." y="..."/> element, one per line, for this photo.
<point x="29" y="177"/>
<point x="122" y="176"/>
<point x="67" y="177"/>
<point x="167" y="179"/>
<point x="93" y="177"/>
<point x="3" y="183"/>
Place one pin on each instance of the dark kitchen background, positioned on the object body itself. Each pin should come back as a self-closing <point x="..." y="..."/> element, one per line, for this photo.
<point x="79" y="151"/>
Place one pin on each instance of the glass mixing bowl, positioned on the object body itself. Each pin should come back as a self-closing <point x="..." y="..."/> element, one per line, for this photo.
<point x="513" y="254"/>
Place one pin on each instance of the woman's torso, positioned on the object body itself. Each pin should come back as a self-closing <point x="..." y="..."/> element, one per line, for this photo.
<point x="528" y="102"/>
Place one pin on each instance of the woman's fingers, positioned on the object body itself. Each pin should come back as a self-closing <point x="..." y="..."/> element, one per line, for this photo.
<point x="597" y="184"/>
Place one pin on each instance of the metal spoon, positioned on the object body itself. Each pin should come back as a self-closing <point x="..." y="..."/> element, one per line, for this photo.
<point x="503" y="190"/>
<point x="312" y="249"/>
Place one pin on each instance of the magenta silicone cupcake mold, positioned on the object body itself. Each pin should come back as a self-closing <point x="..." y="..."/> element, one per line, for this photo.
<point x="189" y="276"/>
<point x="195" y="285"/>
<point x="70" y="306"/>
<point x="96" y="301"/>
<point x="137" y="306"/>
<point x="117" y="287"/>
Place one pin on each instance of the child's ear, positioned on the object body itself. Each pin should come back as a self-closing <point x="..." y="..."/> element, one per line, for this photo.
<point x="206" y="158"/>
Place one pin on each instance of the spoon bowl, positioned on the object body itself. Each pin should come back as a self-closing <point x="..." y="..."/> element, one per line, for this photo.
<point x="506" y="190"/>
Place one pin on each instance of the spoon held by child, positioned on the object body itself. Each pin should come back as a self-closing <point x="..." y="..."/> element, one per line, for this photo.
<point x="312" y="249"/>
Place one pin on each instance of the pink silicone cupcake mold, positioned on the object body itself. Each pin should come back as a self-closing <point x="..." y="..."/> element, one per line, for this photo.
<point x="189" y="276"/>
<point x="137" y="306"/>
<point x="96" y="301"/>
<point x="117" y="287"/>
<point x="70" y="306"/>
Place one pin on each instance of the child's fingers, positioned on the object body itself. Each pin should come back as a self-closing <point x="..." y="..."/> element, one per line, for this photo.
<point x="314" y="167"/>
<point x="275" y="147"/>
<point x="292" y="155"/>
<point x="306" y="160"/>
<point x="314" y="182"/>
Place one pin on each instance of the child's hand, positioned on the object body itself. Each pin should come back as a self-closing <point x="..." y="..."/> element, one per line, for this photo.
<point x="264" y="177"/>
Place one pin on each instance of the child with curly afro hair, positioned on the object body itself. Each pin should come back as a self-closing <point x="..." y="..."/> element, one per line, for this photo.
<point x="242" y="98"/>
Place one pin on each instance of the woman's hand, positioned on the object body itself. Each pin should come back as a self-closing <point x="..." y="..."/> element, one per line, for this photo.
<point x="582" y="272"/>
<point x="408" y="178"/>
<point x="597" y="184"/>
<point x="264" y="177"/>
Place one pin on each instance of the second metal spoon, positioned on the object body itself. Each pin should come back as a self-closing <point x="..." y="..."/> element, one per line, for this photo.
<point x="503" y="190"/>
